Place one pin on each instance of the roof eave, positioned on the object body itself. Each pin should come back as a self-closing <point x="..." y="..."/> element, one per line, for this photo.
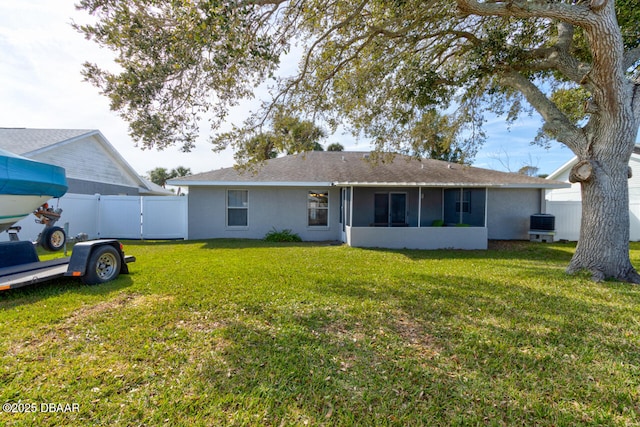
<point x="191" y="183"/>
<point x="452" y="184"/>
<point x="541" y="186"/>
<point x="567" y="165"/>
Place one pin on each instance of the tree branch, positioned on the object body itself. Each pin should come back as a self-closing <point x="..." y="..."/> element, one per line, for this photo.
<point x="596" y="17"/>
<point x="556" y="122"/>
<point x="557" y="57"/>
<point x="325" y="35"/>
<point x="307" y="59"/>
<point x="578" y="14"/>
<point x="631" y="57"/>
<point x="263" y="2"/>
<point x="565" y="36"/>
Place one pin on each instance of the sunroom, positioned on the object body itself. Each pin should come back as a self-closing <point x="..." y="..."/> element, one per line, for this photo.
<point x="414" y="217"/>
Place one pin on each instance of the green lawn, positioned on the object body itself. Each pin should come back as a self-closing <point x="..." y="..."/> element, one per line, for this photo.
<point x="227" y="332"/>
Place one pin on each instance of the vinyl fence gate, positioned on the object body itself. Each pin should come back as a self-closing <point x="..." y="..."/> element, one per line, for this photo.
<point x="118" y="217"/>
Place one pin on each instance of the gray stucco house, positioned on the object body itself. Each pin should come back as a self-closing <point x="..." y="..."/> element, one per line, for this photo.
<point x="403" y="203"/>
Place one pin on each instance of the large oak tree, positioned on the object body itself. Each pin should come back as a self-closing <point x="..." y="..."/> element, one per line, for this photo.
<point x="380" y="66"/>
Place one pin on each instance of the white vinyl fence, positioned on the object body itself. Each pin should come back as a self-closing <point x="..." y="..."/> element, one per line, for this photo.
<point x="120" y="217"/>
<point x="569" y="214"/>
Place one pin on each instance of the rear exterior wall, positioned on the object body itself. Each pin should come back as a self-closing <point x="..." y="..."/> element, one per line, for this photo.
<point x="268" y="208"/>
<point x="509" y="212"/>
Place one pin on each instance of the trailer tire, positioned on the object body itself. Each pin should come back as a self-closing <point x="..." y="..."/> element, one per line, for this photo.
<point x="53" y="239"/>
<point x="104" y="265"/>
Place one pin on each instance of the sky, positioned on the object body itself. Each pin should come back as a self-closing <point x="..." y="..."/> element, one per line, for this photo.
<point x="41" y="87"/>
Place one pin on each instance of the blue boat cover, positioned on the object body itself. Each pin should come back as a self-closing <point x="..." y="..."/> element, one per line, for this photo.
<point x="22" y="176"/>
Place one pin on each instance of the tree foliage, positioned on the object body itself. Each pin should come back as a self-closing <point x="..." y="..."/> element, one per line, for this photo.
<point x="529" y="170"/>
<point x="436" y="136"/>
<point x="377" y="66"/>
<point x="160" y="175"/>
<point x="288" y="135"/>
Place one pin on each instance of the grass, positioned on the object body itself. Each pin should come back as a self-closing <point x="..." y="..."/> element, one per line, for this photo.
<point x="230" y="332"/>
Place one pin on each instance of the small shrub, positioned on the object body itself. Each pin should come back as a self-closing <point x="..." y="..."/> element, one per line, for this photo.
<point x="285" y="235"/>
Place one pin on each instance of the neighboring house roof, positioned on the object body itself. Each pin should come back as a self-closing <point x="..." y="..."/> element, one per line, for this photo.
<point x="563" y="170"/>
<point x="155" y="189"/>
<point x="53" y="146"/>
<point x="28" y="141"/>
<point x="325" y="168"/>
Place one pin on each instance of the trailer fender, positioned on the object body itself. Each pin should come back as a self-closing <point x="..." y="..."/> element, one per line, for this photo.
<point x="17" y="253"/>
<point x="81" y="255"/>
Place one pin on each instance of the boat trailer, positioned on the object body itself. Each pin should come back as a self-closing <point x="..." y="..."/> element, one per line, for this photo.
<point x="52" y="238"/>
<point x="94" y="262"/>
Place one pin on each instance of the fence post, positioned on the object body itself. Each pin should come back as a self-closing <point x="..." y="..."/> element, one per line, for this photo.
<point x="141" y="217"/>
<point x="98" y="210"/>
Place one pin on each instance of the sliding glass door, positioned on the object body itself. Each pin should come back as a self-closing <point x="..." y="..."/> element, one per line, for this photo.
<point x="390" y="209"/>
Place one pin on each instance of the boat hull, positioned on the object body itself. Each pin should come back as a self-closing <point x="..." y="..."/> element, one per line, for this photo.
<point x="25" y="185"/>
<point x="24" y="177"/>
<point x="13" y="208"/>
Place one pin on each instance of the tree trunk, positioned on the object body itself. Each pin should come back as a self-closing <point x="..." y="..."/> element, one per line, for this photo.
<point x="603" y="248"/>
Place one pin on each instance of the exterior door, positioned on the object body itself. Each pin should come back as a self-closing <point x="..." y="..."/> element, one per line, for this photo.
<point x="390" y="209"/>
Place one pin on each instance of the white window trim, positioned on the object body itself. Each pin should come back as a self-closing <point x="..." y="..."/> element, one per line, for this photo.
<point x="227" y="207"/>
<point x="328" y="209"/>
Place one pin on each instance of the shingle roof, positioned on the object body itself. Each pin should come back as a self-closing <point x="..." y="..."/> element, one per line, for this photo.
<point x="354" y="168"/>
<point x="22" y="141"/>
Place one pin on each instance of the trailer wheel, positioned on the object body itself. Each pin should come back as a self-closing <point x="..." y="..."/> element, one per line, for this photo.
<point x="53" y="239"/>
<point x="104" y="265"/>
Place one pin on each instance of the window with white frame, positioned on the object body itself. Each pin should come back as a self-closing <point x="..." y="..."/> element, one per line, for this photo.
<point x="237" y="208"/>
<point x="318" y="208"/>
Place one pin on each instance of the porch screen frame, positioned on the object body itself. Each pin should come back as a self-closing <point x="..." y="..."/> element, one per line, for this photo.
<point x="459" y="204"/>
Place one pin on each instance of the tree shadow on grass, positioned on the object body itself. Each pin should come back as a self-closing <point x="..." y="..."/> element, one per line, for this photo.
<point x="232" y="243"/>
<point x="66" y="285"/>
<point x="496" y="250"/>
<point x="318" y="368"/>
<point x="445" y="353"/>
